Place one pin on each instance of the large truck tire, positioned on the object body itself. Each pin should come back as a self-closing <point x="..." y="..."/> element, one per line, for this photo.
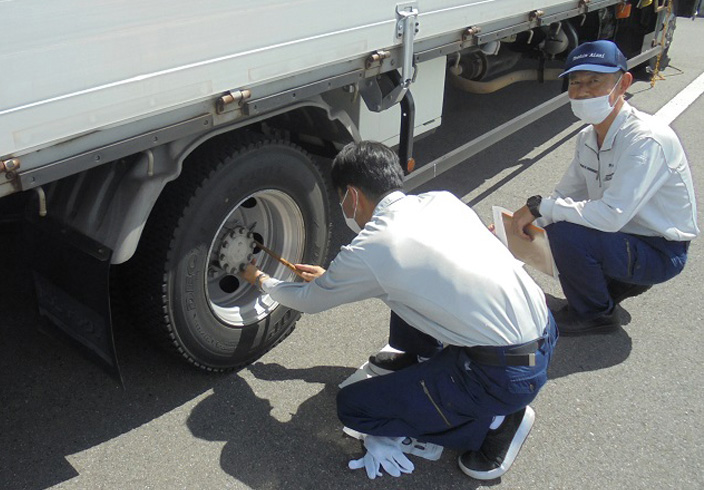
<point x="187" y="296"/>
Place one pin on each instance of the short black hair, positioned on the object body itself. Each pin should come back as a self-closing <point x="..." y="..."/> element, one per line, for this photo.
<point x="370" y="166"/>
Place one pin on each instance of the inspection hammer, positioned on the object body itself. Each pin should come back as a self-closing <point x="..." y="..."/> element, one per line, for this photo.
<point x="280" y="259"/>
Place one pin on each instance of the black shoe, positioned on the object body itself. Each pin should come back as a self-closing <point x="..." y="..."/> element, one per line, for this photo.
<point x="500" y="447"/>
<point x="622" y="290"/>
<point x="570" y="324"/>
<point x="387" y="362"/>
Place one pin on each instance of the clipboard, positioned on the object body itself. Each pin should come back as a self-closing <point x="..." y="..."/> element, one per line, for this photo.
<point x="535" y="253"/>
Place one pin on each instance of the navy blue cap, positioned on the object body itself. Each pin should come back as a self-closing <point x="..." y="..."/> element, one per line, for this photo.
<point x="599" y="56"/>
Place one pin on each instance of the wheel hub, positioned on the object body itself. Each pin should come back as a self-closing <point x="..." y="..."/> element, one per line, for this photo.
<point x="269" y="216"/>
<point x="236" y="250"/>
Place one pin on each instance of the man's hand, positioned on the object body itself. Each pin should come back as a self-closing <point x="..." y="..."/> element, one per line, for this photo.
<point x="522" y="218"/>
<point x="310" y="272"/>
<point x="251" y="273"/>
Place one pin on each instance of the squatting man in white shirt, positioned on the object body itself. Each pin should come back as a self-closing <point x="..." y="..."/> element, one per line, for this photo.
<point x="622" y="217"/>
<point x="474" y="329"/>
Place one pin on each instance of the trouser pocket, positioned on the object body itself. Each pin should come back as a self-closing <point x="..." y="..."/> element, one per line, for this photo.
<point x="434" y="403"/>
<point x="527" y="384"/>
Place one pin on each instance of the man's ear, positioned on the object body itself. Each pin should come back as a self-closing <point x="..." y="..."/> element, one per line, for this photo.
<point x="626" y="81"/>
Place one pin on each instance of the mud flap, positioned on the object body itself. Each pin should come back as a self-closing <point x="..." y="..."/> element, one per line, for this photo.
<point x="71" y="274"/>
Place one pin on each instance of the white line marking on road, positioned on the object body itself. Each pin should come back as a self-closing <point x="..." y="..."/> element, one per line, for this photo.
<point x="670" y="111"/>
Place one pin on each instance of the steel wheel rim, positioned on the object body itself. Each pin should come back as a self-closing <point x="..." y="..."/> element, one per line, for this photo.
<point x="276" y="220"/>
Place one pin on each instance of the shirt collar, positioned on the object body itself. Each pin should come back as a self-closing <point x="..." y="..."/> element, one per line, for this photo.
<point x="623" y="113"/>
<point x="387" y="200"/>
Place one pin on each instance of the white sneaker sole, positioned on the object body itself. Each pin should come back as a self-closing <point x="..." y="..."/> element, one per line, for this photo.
<point x="516" y="444"/>
<point x="376" y="370"/>
<point x="353" y="433"/>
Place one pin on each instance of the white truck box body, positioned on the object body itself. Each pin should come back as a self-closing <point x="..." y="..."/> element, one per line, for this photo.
<point x="71" y="67"/>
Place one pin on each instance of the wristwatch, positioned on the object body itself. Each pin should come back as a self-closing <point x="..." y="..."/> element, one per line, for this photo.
<point x="533" y="204"/>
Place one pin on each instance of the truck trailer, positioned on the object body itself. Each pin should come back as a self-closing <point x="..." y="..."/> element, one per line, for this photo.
<point x="164" y="137"/>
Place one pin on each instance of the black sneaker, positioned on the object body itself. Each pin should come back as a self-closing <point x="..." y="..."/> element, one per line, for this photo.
<point x="386" y="362"/>
<point x="622" y="290"/>
<point x="570" y="324"/>
<point x="500" y="447"/>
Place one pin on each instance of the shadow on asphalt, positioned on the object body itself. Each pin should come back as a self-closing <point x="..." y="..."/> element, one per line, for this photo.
<point x="310" y="450"/>
<point x="55" y="403"/>
<point x="588" y="353"/>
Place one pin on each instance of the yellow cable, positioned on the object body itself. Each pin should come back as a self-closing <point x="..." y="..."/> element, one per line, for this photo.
<point x="656" y="72"/>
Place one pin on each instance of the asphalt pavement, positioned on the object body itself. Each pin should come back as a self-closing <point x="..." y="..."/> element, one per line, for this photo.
<point x="620" y="411"/>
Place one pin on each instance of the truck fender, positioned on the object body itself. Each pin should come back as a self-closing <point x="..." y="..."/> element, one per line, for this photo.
<point x="111" y="203"/>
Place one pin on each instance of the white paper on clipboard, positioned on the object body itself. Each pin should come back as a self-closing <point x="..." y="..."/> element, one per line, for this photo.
<point x="535" y="253"/>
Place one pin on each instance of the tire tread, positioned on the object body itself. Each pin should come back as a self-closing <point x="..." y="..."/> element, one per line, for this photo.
<point x="156" y="247"/>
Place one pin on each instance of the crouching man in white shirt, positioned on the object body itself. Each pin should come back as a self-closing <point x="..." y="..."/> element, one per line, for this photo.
<point x="622" y="217"/>
<point x="449" y="282"/>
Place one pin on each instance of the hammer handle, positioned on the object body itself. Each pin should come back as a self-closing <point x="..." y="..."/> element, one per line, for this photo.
<point x="280" y="259"/>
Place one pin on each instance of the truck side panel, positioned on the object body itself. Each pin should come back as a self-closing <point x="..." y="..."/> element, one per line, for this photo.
<point x="162" y="54"/>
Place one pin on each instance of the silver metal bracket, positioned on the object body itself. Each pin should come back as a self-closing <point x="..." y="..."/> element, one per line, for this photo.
<point x="377" y="97"/>
<point x="406" y="29"/>
<point x="375" y="59"/>
<point x="470" y="34"/>
<point x="9" y="165"/>
<point x="232" y="100"/>
<point x="536" y="16"/>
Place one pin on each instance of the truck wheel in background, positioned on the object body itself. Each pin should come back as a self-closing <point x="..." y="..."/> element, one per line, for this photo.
<point x="188" y="294"/>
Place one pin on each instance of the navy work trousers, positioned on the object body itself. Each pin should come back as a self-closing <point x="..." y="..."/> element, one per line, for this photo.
<point x="448" y="400"/>
<point x="587" y="259"/>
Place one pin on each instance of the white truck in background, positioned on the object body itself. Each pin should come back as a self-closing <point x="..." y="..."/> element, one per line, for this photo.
<point x="149" y="133"/>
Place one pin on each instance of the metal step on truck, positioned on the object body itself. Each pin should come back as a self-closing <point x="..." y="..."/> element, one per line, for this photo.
<point x="150" y="134"/>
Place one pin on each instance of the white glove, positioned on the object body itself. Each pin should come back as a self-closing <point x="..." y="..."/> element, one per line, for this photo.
<point x="368" y="463"/>
<point x="384" y="452"/>
<point x="409" y="445"/>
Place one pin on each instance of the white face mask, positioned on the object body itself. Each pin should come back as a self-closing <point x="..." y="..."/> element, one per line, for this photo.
<point x="351" y="222"/>
<point x="594" y="110"/>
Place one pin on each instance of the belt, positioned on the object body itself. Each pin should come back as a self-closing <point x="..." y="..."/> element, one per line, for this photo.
<point x="518" y="355"/>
